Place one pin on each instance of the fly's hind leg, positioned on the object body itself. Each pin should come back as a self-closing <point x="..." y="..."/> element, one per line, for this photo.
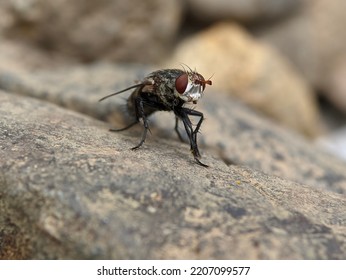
<point x="124" y="128"/>
<point x="141" y="115"/>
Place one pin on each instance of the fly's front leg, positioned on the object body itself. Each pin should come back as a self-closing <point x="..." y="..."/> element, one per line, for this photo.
<point x="189" y="130"/>
<point x="141" y="115"/>
<point x="193" y="133"/>
<point x="183" y="114"/>
<point x="198" y="126"/>
<point x="177" y="129"/>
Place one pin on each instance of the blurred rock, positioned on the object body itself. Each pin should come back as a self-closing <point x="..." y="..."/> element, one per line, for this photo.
<point x="335" y="142"/>
<point x="313" y="39"/>
<point x="244" y="11"/>
<point x="253" y="72"/>
<point x="118" y="30"/>
<point x="17" y="56"/>
<point x="335" y="84"/>
<point x="77" y="87"/>
<point x="72" y="190"/>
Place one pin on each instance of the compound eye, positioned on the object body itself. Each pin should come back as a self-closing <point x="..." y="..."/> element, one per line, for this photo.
<point x="181" y="83"/>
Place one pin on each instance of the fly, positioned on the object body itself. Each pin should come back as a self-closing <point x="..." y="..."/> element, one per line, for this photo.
<point x="167" y="90"/>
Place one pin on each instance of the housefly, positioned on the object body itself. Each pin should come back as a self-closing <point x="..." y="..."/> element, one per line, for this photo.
<point x="167" y="90"/>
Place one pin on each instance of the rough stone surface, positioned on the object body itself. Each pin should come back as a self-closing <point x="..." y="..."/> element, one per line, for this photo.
<point x="237" y="135"/>
<point x="71" y="189"/>
<point x="230" y="130"/>
<point x="244" y="11"/>
<point x="313" y="39"/>
<point x="253" y="72"/>
<point x="117" y="30"/>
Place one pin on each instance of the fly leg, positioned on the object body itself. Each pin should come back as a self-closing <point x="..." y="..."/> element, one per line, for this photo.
<point x="124" y="128"/>
<point x="141" y="115"/>
<point x="183" y="113"/>
<point x="198" y="126"/>
<point x="177" y="129"/>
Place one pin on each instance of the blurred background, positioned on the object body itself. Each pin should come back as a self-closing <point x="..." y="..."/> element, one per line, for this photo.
<point x="284" y="58"/>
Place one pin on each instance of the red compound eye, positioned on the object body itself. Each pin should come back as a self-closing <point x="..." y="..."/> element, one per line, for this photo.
<point x="181" y="83"/>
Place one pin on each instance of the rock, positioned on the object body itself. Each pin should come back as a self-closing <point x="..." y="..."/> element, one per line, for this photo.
<point x="313" y="40"/>
<point x="117" y="30"/>
<point x="244" y="11"/>
<point x="70" y="189"/>
<point x="231" y="131"/>
<point x="80" y="89"/>
<point x="335" y="84"/>
<point x="16" y="56"/>
<point x="253" y="72"/>
<point x="335" y="142"/>
<point x="238" y="136"/>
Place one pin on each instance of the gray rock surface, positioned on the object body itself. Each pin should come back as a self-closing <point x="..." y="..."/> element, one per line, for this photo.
<point x="231" y="131"/>
<point x="71" y="189"/>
